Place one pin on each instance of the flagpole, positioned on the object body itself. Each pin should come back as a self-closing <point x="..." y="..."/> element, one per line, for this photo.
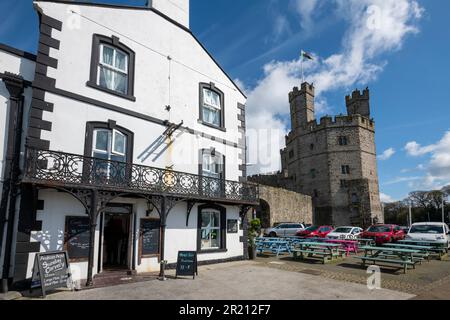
<point x="301" y="63"/>
<point x="301" y="66"/>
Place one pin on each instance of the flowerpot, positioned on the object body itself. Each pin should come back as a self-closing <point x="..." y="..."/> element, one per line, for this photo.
<point x="251" y="253"/>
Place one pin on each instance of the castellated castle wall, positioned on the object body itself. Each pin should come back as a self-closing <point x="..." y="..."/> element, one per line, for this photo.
<point x="333" y="160"/>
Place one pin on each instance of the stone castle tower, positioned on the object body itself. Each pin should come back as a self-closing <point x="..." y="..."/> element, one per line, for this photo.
<point x="333" y="161"/>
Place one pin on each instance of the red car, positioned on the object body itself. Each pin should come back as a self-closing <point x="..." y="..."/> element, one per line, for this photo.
<point x="384" y="233"/>
<point x="315" y="232"/>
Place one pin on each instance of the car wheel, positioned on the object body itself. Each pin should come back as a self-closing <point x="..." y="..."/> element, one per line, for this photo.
<point x="272" y="235"/>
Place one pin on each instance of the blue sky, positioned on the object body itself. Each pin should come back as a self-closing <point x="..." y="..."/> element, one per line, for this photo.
<point x="398" y="48"/>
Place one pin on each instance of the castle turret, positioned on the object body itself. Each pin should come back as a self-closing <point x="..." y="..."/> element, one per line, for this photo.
<point x="358" y="103"/>
<point x="302" y="105"/>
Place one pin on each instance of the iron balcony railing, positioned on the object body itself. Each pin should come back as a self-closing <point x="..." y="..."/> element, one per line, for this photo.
<point x="54" y="168"/>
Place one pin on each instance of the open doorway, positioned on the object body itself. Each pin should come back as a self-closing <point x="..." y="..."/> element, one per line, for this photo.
<point x="116" y="236"/>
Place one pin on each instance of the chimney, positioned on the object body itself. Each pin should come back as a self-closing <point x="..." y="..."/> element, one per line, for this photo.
<point x="177" y="10"/>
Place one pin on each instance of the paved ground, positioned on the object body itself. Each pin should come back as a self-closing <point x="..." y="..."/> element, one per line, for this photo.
<point x="431" y="280"/>
<point x="238" y="281"/>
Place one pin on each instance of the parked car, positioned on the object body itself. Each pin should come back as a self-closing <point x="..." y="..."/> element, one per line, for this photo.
<point x="284" y="230"/>
<point x="315" y="232"/>
<point x="430" y="231"/>
<point x="345" y="233"/>
<point x="405" y="229"/>
<point x="384" y="233"/>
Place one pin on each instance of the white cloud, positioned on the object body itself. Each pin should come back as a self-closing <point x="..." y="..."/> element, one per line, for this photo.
<point x="386" y="198"/>
<point x="387" y="154"/>
<point x="307" y="9"/>
<point x="370" y="34"/>
<point x="437" y="170"/>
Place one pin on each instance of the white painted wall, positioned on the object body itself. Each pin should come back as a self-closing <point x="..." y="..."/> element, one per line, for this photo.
<point x="14" y="64"/>
<point x="58" y="205"/>
<point x="17" y="65"/>
<point x="177" y="10"/>
<point x="148" y="30"/>
<point x="68" y="135"/>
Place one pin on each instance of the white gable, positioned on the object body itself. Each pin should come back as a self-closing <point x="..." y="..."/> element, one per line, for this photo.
<point x="177" y="10"/>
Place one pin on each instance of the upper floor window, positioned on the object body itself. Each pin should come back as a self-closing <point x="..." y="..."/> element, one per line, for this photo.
<point x="212" y="165"/>
<point x="345" y="169"/>
<point x="211" y="106"/>
<point x="111" y="147"/>
<point x="112" y="67"/>
<point x="291" y="154"/>
<point x="343" y="141"/>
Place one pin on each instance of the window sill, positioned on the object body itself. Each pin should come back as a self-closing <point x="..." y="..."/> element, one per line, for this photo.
<point x="212" y="251"/>
<point x="115" y="93"/>
<point x="211" y="125"/>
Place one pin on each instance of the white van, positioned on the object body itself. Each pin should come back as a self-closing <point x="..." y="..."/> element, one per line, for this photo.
<point x="429" y="231"/>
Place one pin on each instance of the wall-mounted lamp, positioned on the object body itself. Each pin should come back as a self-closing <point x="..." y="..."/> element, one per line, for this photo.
<point x="150" y="208"/>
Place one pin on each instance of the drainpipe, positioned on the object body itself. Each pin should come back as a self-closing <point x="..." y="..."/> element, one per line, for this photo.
<point x="15" y="86"/>
<point x="163" y="235"/>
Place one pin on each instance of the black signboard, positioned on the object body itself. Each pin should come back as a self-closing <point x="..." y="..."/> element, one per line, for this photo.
<point x="150" y="236"/>
<point x="51" y="270"/>
<point x="187" y="264"/>
<point x="77" y="238"/>
<point x="232" y="226"/>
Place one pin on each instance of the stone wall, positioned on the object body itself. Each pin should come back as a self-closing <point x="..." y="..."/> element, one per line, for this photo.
<point x="284" y="206"/>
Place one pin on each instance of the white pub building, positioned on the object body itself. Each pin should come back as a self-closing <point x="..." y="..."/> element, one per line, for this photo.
<point x="122" y="143"/>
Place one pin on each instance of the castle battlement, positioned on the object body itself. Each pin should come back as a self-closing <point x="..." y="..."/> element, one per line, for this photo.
<point x="357" y="95"/>
<point x="305" y="88"/>
<point x="340" y="121"/>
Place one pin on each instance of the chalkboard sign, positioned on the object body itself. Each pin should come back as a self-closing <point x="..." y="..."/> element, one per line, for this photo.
<point x="77" y="238"/>
<point x="187" y="264"/>
<point x="51" y="271"/>
<point x="150" y="236"/>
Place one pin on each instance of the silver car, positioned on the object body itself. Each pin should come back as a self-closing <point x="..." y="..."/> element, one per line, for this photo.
<point x="284" y="230"/>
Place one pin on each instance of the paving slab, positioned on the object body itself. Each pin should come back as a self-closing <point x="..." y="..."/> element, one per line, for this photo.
<point x="237" y="281"/>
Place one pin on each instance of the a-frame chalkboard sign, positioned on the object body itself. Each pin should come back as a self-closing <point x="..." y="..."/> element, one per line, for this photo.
<point x="187" y="264"/>
<point x="51" y="270"/>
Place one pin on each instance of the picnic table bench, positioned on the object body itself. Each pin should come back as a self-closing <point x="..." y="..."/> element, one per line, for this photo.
<point x="424" y="250"/>
<point x="320" y="250"/>
<point x="274" y="247"/>
<point x="348" y="245"/>
<point x="436" y="247"/>
<point x="402" y="257"/>
<point x="366" y="242"/>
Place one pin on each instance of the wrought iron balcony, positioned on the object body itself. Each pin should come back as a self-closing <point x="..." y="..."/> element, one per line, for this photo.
<point x="59" y="169"/>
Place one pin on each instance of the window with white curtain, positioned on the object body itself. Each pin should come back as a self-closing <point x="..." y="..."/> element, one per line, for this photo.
<point x="113" y="69"/>
<point x="211" y="107"/>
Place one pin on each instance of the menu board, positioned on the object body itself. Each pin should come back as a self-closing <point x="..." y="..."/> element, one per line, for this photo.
<point x="187" y="264"/>
<point x="77" y="238"/>
<point x="150" y="236"/>
<point x="50" y="271"/>
<point x="232" y="226"/>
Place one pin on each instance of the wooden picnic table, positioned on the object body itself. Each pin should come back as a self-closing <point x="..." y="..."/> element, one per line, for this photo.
<point x="425" y="250"/>
<point x="322" y="250"/>
<point x="366" y="242"/>
<point x="348" y="245"/>
<point x="403" y="257"/>
<point x="274" y="246"/>
<point x="436" y="247"/>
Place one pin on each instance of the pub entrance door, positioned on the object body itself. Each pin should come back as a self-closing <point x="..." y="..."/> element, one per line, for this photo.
<point x="116" y="238"/>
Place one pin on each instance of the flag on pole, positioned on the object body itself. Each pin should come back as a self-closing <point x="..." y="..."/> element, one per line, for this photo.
<point x="307" y="55"/>
<point x="302" y="58"/>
